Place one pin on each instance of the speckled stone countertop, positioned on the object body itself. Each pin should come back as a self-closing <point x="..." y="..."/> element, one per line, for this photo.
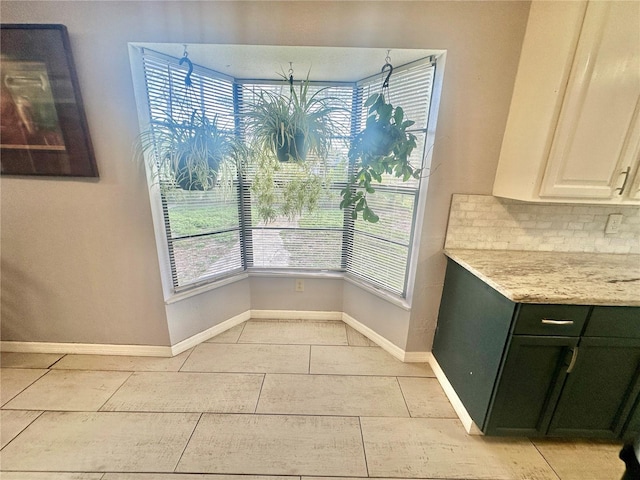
<point x="556" y="277"/>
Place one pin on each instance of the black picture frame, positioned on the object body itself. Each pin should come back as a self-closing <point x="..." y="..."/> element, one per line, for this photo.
<point x="43" y="128"/>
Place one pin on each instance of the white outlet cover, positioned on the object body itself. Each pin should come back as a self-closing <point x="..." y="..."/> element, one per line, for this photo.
<point x="613" y="223"/>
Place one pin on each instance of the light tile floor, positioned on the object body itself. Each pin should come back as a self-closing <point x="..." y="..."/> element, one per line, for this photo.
<point x="266" y="400"/>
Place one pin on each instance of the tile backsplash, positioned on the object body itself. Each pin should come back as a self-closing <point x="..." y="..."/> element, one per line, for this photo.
<point x="491" y="223"/>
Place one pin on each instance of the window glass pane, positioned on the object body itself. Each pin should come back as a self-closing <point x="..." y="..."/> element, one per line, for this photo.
<point x="379" y="262"/>
<point x="396" y="216"/>
<point x="194" y="213"/>
<point x="312" y="240"/>
<point x="380" y="252"/>
<point x="208" y="256"/>
<point x="297" y="248"/>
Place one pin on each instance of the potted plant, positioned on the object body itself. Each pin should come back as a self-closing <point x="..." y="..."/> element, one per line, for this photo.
<point x="382" y="147"/>
<point x="290" y="136"/>
<point x="190" y="154"/>
<point x="290" y="126"/>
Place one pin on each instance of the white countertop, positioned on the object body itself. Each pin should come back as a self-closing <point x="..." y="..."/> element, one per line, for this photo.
<point x="556" y="277"/>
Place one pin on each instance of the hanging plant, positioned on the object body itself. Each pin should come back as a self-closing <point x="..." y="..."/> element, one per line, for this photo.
<point x="285" y="189"/>
<point x="294" y="125"/>
<point x="290" y="136"/>
<point x="190" y="154"/>
<point x="382" y="147"/>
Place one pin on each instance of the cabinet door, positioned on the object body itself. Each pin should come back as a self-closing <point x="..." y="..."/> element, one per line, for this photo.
<point x="601" y="390"/>
<point x="594" y="148"/>
<point x="529" y="386"/>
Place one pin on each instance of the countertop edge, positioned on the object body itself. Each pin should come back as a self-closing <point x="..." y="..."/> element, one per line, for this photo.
<point x="457" y="255"/>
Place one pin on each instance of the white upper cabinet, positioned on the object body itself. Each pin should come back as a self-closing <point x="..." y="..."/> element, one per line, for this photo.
<point x="573" y="133"/>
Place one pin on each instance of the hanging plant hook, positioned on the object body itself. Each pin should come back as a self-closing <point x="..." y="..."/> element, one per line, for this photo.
<point x="185" y="59"/>
<point x="385" y="67"/>
<point x="291" y="74"/>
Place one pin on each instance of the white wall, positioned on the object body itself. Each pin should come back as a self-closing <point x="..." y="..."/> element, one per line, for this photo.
<point x="198" y="313"/>
<point x="78" y="256"/>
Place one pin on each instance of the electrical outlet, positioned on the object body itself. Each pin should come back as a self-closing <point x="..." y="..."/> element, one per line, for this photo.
<point x="299" y="285"/>
<point x="613" y="223"/>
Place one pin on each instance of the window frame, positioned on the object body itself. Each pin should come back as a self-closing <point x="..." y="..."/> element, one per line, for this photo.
<point x="172" y="294"/>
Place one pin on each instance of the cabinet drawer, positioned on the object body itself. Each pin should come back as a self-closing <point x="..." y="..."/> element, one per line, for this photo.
<point x="564" y="320"/>
<point x="621" y="322"/>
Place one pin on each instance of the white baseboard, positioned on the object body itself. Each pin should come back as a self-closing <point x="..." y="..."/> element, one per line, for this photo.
<point x="186" y="344"/>
<point x="132" y="350"/>
<point x="86" y="349"/>
<point x="463" y="415"/>
<point x="417" y="357"/>
<point x="198" y="338"/>
<point x="296" y="315"/>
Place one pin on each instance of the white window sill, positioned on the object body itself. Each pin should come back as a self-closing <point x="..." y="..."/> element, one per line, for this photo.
<point x="179" y="296"/>
<point x="389" y="297"/>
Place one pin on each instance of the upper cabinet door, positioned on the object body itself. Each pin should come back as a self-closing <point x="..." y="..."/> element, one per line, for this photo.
<point x="595" y="147"/>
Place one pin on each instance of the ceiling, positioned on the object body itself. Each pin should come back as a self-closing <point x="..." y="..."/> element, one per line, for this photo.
<point x="268" y="62"/>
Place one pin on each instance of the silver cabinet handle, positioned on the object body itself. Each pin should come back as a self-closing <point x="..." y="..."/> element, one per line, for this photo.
<point x="624" y="183"/>
<point x="548" y="321"/>
<point x="574" y="357"/>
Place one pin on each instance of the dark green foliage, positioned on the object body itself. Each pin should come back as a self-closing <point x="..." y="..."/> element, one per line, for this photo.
<point x="383" y="147"/>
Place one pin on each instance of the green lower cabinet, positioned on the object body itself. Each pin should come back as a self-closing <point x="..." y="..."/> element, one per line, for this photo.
<point x="530" y="383"/>
<point x="539" y="369"/>
<point x="599" y="394"/>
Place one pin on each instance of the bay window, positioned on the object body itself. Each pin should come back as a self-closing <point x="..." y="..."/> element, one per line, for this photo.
<point x="216" y="233"/>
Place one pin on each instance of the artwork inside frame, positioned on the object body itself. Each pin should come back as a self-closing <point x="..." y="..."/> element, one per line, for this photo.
<point x="43" y="128"/>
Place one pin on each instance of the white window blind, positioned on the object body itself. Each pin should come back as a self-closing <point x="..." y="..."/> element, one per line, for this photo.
<point x="380" y="252"/>
<point x="216" y="233"/>
<point x="312" y="240"/>
<point x="203" y="228"/>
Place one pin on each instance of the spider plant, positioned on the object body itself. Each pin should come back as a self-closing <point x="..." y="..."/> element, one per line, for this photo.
<point x="290" y="136"/>
<point x="291" y="126"/>
<point x="191" y="154"/>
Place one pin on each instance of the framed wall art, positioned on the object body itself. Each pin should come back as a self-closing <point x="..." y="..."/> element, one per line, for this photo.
<point x="43" y="128"/>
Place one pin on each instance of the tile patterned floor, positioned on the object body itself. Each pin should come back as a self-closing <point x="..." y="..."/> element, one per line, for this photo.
<point x="266" y="400"/>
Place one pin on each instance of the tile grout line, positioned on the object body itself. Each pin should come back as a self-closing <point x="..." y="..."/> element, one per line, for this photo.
<point x="52" y="365"/>
<point x="27" y="426"/>
<point x="187" y="443"/>
<point x="193" y="349"/>
<point x="364" y="449"/>
<point x="255" y="409"/>
<point x="404" y="397"/>
<point x="544" y="458"/>
<point x="114" y="392"/>
<point x="244" y="324"/>
<point x="309" y="364"/>
<point x="13" y="398"/>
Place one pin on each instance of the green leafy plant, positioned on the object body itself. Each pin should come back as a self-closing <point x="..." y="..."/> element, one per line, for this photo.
<point x="285" y="188"/>
<point x="290" y="135"/>
<point x="382" y="147"/>
<point x="291" y="126"/>
<point x="192" y="154"/>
